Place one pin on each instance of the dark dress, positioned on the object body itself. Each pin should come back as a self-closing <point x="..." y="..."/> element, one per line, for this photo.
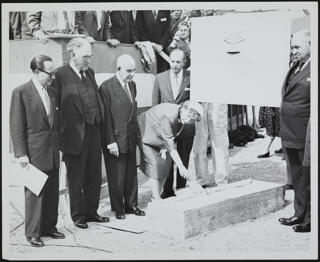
<point x="269" y="117"/>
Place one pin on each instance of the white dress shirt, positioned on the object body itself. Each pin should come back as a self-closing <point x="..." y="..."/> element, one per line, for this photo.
<point x="175" y="82"/>
<point x="124" y="85"/>
<point x="43" y="94"/>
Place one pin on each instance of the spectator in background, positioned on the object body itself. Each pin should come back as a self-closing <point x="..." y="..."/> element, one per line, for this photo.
<point x="181" y="40"/>
<point x="176" y="17"/>
<point x="95" y="25"/>
<point x="269" y="117"/>
<point x="294" y="117"/>
<point x="41" y="24"/>
<point x="173" y="86"/>
<point x="154" y="26"/>
<point x="15" y="24"/>
<point x="123" y="27"/>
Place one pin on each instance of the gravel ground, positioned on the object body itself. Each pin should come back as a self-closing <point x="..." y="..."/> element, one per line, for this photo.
<point x="258" y="238"/>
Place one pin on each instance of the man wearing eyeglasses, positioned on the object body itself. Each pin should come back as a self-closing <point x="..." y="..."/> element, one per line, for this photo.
<point x="81" y="115"/>
<point x="34" y="133"/>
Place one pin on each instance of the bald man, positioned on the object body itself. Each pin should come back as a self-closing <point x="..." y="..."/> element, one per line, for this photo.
<point x="294" y="117"/>
<point x="120" y="135"/>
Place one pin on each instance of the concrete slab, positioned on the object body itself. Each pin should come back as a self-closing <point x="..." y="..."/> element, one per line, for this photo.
<point x="190" y="214"/>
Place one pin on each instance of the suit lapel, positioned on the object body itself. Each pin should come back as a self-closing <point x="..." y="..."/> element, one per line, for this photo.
<point x="182" y="85"/>
<point x="36" y="99"/>
<point x="119" y="92"/>
<point x="76" y="99"/>
<point x="297" y="77"/>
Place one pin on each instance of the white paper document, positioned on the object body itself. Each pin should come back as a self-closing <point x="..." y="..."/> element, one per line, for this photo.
<point x="31" y="177"/>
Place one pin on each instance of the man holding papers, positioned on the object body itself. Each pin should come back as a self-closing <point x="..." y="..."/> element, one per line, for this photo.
<point x="34" y="132"/>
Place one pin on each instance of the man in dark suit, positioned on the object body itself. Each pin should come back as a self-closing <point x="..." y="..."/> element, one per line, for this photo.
<point x="96" y="26"/>
<point x="120" y="138"/>
<point x="294" y="117"/>
<point x="154" y="26"/>
<point x="35" y="137"/>
<point x="81" y="115"/>
<point x="173" y="86"/>
<point x="123" y="27"/>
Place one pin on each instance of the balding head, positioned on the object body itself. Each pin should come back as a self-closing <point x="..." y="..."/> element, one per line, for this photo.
<point x="300" y="45"/>
<point x="126" y="67"/>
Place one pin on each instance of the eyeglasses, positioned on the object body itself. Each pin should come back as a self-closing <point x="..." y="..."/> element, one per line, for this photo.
<point x="52" y="74"/>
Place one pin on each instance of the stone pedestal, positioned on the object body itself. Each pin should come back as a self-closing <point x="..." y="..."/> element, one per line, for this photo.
<point x="192" y="212"/>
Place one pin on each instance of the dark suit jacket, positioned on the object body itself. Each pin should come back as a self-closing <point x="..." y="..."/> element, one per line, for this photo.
<point x="149" y="29"/>
<point x="295" y="108"/>
<point x="72" y="125"/>
<point x="88" y="24"/>
<point x="120" y="124"/>
<point x="30" y="130"/>
<point x="162" y="93"/>
<point x="123" y="27"/>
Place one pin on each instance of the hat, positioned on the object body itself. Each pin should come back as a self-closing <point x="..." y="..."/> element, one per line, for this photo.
<point x="196" y="107"/>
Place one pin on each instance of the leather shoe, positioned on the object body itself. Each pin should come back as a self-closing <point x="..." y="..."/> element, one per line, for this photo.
<point x="135" y="210"/>
<point x="264" y="155"/>
<point x="289" y="221"/>
<point x="288" y="187"/>
<point x="120" y="216"/>
<point x="302" y="228"/>
<point x="35" y="241"/>
<point x="98" y="218"/>
<point x="80" y="223"/>
<point x="55" y="235"/>
<point x="204" y="186"/>
<point x="165" y="195"/>
<point x="278" y="151"/>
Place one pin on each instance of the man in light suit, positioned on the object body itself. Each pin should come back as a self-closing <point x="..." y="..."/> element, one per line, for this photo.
<point x="35" y="137"/>
<point x="120" y="138"/>
<point x="294" y="117"/>
<point x="173" y="86"/>
<point x="81" y="115"/>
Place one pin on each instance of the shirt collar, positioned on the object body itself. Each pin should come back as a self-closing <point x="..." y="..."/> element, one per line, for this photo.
<point x="76" y="70"/>
<point x="179" y="74"/>
<point x="120" y="80"/>
<point x="36" y="83"/>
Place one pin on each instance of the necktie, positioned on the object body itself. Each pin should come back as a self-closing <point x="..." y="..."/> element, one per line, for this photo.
<point x="126" y="90"/>
<point x="299" y="68"/>
<point x="175" y="92"/>
<point x="155" y="14"/>
<point x="47" y="103"/>
<point x="83" y="78"/>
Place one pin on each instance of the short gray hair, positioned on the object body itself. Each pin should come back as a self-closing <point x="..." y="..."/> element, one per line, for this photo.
<point x="124" y="60"/>
<point x="76" y="43"/>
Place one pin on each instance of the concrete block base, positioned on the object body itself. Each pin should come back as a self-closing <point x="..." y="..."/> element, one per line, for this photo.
<point x="191" y="213"/>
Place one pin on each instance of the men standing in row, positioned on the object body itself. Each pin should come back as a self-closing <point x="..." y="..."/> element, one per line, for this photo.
<point x="294" y="117"/>
<point x="35" y="137"/>
<point x="81" y="115"/>
<point x="173" y="86"/>
<point x="120" y="137"/>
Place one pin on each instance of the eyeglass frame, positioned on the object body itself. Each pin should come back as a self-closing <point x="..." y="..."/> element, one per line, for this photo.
<point x="52" y="74"/>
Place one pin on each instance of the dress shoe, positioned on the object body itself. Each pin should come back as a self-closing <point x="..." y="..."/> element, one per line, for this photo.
<point x="279" y="151"/>
<point x="97" y="218"/>
<point x="135" y="210"/>
<point x="80" y="223"/>
<point x="55" y="235"/>
<point x="166" y="195"/>
<point x="264" y="155"/>
<point x="302" y="228"/>
<point x="204" y="186"/>
<point x="289" y="221"/>
<point x="35" y="241"/>
<point x="288" y="187"/>
<point x="120" y="216"/>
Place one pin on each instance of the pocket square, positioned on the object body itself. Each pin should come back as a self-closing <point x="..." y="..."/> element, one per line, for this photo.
<point x="308" y="79"/>
<point x="163" y="19"/>
<point x="187" y="89"/>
